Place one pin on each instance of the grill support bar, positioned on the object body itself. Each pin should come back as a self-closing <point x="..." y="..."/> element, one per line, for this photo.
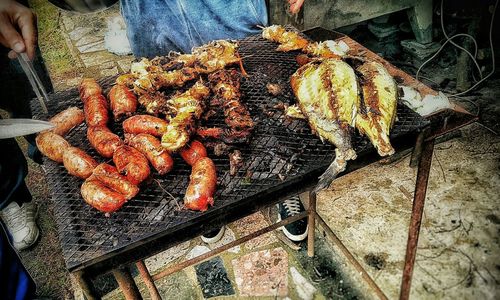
<point x="311" y="216"/>
<point x="127" y="283"/>
<point x="148" y="280"/>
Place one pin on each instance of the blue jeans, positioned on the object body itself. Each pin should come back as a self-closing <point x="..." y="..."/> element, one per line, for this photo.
<point x="156" y="27"/>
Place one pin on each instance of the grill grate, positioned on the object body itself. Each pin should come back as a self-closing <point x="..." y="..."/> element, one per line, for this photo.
<point x="280" y="150"/>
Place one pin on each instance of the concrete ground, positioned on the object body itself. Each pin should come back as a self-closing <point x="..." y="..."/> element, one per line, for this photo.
<point x="458" y="252"/>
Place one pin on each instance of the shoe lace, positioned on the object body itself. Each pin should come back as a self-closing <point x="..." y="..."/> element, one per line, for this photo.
<point x="292" y="206"/>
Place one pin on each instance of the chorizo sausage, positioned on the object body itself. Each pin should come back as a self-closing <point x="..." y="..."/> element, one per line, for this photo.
<point x="152" y="149"/>
<point x="145" y="124"/>
<point x="104" y="199"/>
<point x="109" y="176"/>
<point x="201" y="189"/>
<point x="78" y="163"/>
<point x="96" y="110"/>
<point x="193" y="152"/>
<point x="122" y="101"/>
<point x="103" y="140"/>
<point x="52" y="145"/>
<point x="89" y="87"/>
<point x="132" y="163"/>
<point x="67" y="120"/>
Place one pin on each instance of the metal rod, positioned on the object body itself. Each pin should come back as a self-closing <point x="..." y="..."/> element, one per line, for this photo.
<point x="424" y="168"/>
<point x="202" y="257"/>
<point x="417" y="150"/>
<point x="311" y="216"/>
<point x="337" y="242"/>
<point x="148" y="280"/>
<point x="87" y="287"/>
<point x="127" y="283"/>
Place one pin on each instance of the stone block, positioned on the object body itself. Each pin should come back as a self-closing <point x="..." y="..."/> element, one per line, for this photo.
<point x="93" y="47"/>
<point x="95" y="59"/>
<point x="251" y="224"/>
<point x="162" y="259"/>
<point x="79" y="33"/>
<point x="213" y="279"/>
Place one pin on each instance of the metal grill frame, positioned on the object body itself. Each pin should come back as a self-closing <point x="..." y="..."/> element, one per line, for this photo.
<point x="266" y="188"/>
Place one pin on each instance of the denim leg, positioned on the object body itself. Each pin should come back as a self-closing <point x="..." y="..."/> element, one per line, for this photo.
<point x="156" y="27"/>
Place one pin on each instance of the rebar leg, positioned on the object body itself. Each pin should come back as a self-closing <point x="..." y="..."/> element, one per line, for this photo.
<point x="87" y="287"/>
<point x="424" y="168"/>
<point x="311" y="218"/>
<point x="148" y="280"/>
<point x="127" y="283"/>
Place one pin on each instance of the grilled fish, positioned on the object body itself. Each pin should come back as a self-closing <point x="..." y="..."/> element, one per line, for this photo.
<point x="378" y="105"/>
<point x="328" y="95"/>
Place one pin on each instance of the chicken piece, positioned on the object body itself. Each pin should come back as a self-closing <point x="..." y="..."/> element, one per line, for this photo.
<point x="378" y="106"/>
<point x="67" y="120"/>
<point x="89" y="87"/>
<point x="145" y="124"/>
<point x="327" y="49"/>
<point x="101" y="197"/>
<point x="111" y="178"/>
<point x="151" y="147"/>
<point x="78" y="162"/>
<point x="132" y="163"/>
<point x="289" y="40"/>
<point x="193" y="152"/>
<point x="155" y="103"/>
<point x="96" y="110"/>
<point x="103" y="140"/>
<point x="52" y="145"/>
<point x="328" y="95"/>
<point x="215" y="55"/>
<point x="202" y="184"/>
<point x="235" y="162"/>
<point x="122" y="102"/>
<point x="187" y="108"/>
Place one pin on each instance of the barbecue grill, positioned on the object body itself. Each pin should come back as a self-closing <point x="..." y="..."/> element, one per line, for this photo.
<point x="282" y="158"/>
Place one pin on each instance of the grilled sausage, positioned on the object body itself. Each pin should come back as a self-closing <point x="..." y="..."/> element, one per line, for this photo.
<point x="52" y="145"/>
<point x="96" y="110"/>
<point x="103" y="140"/>
<point x="193" y="152"/>
<point x="89" y="87"/>
<point x="201" y="189"/>
<point x="152" y="149"/>
<point x="122" y="101"/>
<point x="109" y="176"/>
<point x="67" y="120"/>
<point x="132" y="163"/>
<point x="145" y="124"/>
<point x="78" y="163"/>
<point x="96" y="194"/>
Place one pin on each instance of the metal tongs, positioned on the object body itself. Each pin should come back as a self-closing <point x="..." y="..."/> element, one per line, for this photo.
<point x="34" y="80"/>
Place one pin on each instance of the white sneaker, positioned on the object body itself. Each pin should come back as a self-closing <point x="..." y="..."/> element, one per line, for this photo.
<point x="20" y="222"/>
<point x="214" y="235"/>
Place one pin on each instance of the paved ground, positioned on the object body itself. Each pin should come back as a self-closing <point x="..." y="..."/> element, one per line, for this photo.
<point x="369" y="210"/>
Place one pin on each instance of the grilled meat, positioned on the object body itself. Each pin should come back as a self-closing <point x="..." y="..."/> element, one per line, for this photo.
<point x="132" y="163"/>
<point x="193" y="152"/>
<point x="103" y="140"/>
<point x="378" y="106"/>
<point x="101" y="197"/>
<point x="235" y="162"/>
<point x="96" y="110"/>
<point x="185" y="109"/>
<point x="67" y="120"/>
<point x="89" y="87"/>
<point x="151" y="147"/>
<point x="122" y="101"/>
<point x="288" y="40"/>
<point x="327" y="94"/>
<point x="155" y="103"/>
<point x="52" y="145"/>
<point x="202" y="184"/>
<point x="111" y="178"/>
<point x="145" y="124"/>
<point x="78" y="162"/>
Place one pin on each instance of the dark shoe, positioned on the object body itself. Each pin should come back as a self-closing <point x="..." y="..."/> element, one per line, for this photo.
<point x="296" y="231"/>
<point x="213" y="236"/>
<point x="35" y="154"/>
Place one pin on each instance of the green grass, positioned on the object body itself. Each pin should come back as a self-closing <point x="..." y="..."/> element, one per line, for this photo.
<point x="54" y="49"/>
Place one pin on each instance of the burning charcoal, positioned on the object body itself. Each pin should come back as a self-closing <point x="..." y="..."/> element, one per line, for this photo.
<point x="274" y="89"/>
<point x="235" y="162"/>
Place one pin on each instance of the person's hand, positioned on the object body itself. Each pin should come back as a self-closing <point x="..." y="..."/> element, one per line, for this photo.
<point x="17" y="28"/>
<point x="295" y="5"/>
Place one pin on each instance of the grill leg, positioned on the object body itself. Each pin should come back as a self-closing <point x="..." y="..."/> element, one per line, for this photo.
<point x="311" y="212"/>
<point x="86" y="285"/>
<point x="148" y="280"/>
<point x="424" y="168"/>
<point x="127" y="283"/>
